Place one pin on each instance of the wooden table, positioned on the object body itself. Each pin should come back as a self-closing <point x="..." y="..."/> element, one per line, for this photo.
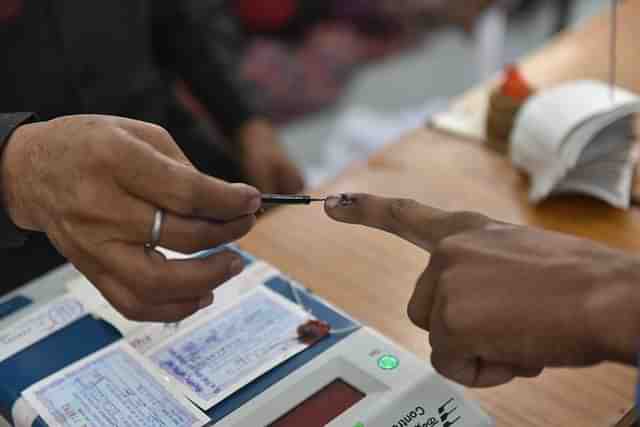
<point x="371" y="275"/>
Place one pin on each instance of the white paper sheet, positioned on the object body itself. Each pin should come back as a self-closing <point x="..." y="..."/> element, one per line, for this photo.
<point x="574" y="138"/>
<point x="113" y="387"/>
<point x="45" y="321"/>
<point x="212" y="359"/>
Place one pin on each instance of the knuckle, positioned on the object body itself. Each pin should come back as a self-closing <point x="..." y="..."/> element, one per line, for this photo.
<point x="398" y="208"/>
<point x="66" y="227"/>
<point x="160" y="132"/>
<point x="105" y="144"/>
<point x="451" y="318"/>
<point x="445" y="249"/>
<point x="468" y="219"/>
<point x="89" y="200"/>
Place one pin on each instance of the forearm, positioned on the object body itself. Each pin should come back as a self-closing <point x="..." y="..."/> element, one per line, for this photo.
<point x="10" y="234"/>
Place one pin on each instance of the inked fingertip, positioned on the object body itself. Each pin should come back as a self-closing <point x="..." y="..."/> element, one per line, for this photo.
<point x="332" y="202"/>
<point x="344" y="200"/>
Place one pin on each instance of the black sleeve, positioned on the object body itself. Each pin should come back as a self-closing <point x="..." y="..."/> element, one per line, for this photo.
<point x="200" y="41"/>
<point x="10" y="235"/>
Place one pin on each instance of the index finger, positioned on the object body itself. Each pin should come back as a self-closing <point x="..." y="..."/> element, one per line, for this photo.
<point x="422" y="225"/>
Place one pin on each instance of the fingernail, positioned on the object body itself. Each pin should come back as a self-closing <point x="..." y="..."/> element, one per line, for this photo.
<point x="255" y="204"/>
<point x="236" y="267"/>
<point x="332" y="202"/>
<point x="206" y="301"/>
<point x="342" y="201"/>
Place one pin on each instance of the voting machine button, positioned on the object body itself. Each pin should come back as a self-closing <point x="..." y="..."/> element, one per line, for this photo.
<point x="388" y="362"/>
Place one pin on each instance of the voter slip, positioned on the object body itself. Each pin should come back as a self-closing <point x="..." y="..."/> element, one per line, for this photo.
<point x="114" y="387"/>
<point x="217" y="356"/>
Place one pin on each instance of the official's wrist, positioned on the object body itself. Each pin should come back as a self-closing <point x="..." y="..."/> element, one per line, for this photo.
<point x="12" y="169"/>
<point x="613" y="311"/>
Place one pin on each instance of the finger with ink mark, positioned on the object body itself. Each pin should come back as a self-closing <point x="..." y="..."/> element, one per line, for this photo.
<point x="420" y="224"/>
<point x="341" y="201"/>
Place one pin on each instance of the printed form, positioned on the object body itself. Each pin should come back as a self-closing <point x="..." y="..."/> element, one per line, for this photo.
<point x="40" y="324"/>
<point x="212" y="359"/>
<point x="114" y="387"/>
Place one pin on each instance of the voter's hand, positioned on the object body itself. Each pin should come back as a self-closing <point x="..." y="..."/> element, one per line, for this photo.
<point x="502" y="301"/>
<point x="93" y="184"/>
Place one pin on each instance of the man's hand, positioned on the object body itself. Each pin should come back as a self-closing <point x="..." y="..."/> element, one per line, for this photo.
<point x="502" y="301"/>
<point x="265" y="161"/>
<point x="93" y="184"/>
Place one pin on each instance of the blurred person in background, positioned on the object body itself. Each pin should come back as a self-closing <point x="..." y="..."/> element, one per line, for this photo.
<point x="125" y="58"/>
<point x="298" y="55"/>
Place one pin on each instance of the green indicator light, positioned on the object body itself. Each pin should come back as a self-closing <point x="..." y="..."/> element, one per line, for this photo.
<point x="388" y="362"/>
<point x="359" y="425"/>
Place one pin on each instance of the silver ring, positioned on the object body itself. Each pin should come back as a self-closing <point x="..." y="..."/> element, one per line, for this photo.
<point x="156" y="230"/>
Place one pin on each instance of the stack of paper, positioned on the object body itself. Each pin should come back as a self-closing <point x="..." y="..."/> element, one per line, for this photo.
<point x="577" y="138"/>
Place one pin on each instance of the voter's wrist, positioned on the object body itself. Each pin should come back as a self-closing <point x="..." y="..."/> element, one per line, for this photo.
<point x="613" y="310"/>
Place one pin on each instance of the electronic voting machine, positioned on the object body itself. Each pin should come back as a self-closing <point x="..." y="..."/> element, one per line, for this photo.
<point x="267" y="353"/>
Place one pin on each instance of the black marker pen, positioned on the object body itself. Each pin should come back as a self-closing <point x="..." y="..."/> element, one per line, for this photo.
<point x="281" y="199"/>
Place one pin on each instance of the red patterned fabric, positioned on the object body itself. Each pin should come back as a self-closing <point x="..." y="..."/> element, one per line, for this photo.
<point x="10" y="10"/>
<point x="266" y="15"/>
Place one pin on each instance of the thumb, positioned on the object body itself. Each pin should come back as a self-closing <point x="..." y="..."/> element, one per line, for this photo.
<point x="422" y="225"/>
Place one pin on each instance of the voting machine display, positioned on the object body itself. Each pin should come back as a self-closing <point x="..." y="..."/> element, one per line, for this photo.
<point x="267" y="353"/>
